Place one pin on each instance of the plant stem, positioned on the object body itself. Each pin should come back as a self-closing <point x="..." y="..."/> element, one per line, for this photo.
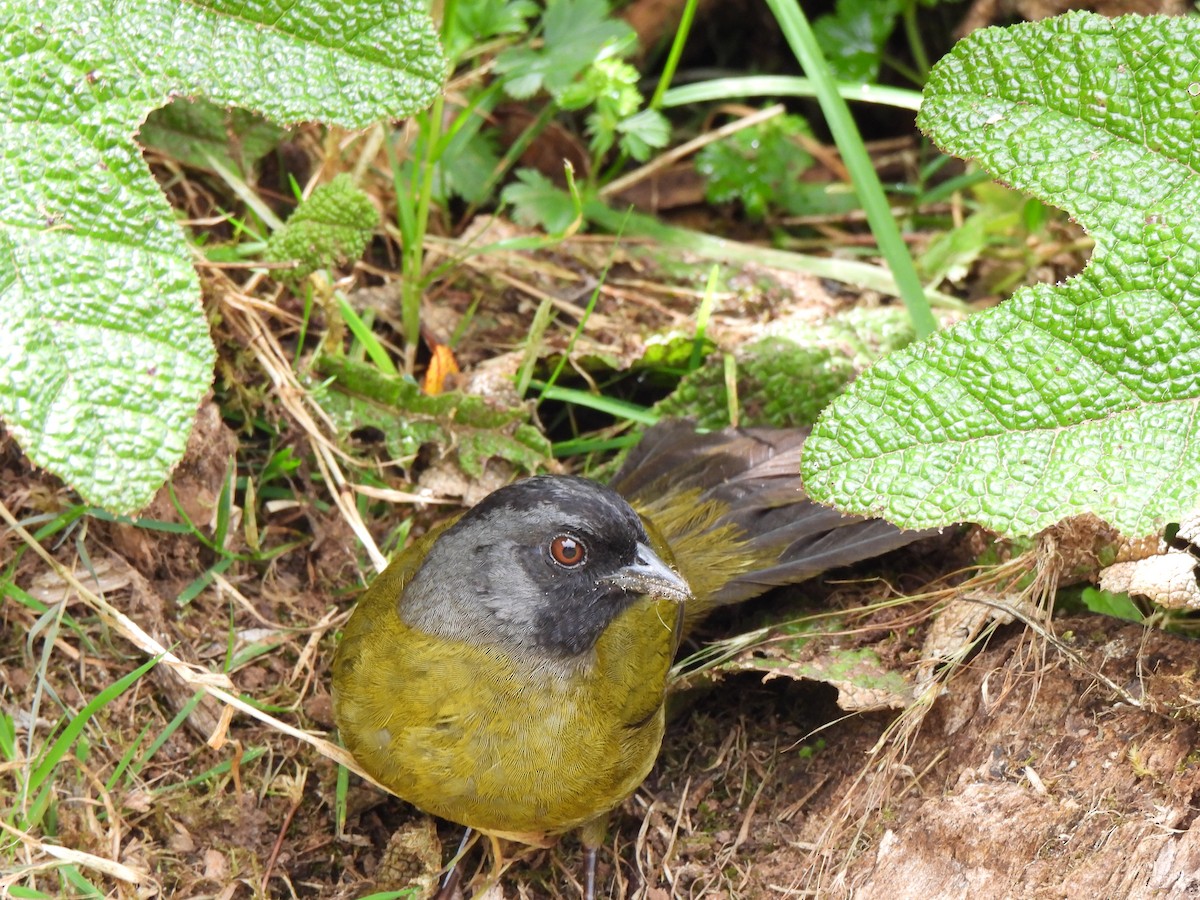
<point x="413" y="255"/>
<point x="681" y="35"/>
<point x="803" y="42"/>
<point x="915" y="43"/>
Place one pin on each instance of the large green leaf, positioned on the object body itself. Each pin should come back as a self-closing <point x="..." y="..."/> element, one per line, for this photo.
<point x="1072" y="398"/>
<point x="104" y="349"/>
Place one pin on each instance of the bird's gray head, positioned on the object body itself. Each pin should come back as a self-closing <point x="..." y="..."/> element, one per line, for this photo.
<point x="540" y="566"/>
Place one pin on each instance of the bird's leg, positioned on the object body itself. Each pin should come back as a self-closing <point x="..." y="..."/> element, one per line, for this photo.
<point x="589" y="872"/>
<point x="498" y="866"/>
<point x="592" y="836"/>
<point x="453" y="875"/>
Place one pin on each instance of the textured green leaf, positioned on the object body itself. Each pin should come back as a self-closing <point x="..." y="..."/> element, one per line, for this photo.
<point x="331" y="226"/>
<point x="104" y="350"/>
<point x="1072" y="398"/>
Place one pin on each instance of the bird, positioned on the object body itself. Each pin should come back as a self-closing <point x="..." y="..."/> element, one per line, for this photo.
<point x="508" y="670"/>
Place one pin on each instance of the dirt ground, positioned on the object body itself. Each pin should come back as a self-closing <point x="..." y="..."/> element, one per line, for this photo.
<point x="1028" y="776"/>
<point x="1027" y="779"/>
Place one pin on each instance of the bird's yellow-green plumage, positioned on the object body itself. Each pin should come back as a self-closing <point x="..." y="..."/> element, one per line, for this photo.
<point x="511" y="746"/>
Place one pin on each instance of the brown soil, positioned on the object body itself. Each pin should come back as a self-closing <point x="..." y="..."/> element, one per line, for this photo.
<point x="1026" y="778"/>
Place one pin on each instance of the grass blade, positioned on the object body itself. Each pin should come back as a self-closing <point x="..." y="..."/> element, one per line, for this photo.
<point x="803" y="42"/>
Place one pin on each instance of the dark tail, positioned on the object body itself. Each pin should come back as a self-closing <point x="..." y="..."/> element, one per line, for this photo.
<point x="730" y="505"/>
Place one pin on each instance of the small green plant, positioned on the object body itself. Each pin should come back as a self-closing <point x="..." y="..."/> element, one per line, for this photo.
<point x="1013" y="231"/>
<point x="35" y="782"/>
<point x="579" y="67"/>
<point x="855" y="36"/>
<point x="408" y="419"/>
<point x="332" y="226"/>
<point x="786" y="379"/>
<point x="761" y="167"/>
<point x="575" y="61"/>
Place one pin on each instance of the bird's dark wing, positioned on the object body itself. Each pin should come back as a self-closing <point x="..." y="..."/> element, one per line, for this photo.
<point x="731" y="506"/>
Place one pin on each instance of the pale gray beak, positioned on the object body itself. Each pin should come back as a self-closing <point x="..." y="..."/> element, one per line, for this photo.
<point x="648" y="574"/>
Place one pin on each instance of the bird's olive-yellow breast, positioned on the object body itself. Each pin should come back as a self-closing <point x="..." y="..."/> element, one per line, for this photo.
<point x="507" y="672"/>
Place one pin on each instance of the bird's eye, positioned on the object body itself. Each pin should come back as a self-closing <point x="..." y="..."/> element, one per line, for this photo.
<point x="568" y="551"/>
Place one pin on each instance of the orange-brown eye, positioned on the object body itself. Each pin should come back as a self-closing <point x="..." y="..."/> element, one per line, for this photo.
<point x="567" y="551"/>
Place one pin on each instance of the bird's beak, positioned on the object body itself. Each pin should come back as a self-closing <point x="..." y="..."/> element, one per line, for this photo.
<point x="648" y="574"/>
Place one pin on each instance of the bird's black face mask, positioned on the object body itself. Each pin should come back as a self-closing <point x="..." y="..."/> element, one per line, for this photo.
<point x="542" y="566"/>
